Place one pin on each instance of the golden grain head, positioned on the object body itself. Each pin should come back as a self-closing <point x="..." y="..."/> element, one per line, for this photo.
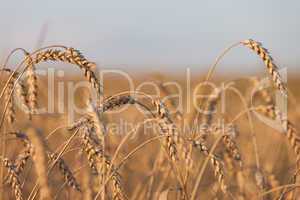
<point x="224" y="146"/>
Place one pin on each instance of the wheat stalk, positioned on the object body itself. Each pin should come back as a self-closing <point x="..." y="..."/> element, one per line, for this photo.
<point x="273" y="183"/>
<point x="210" y="107"/>
<point x="86" y="185"/>
<point x="40" y="162"/>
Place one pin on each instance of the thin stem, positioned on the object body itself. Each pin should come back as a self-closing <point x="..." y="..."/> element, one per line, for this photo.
<point x="126" y="158"/>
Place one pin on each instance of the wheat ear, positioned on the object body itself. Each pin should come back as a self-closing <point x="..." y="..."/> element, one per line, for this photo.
<point x="96" y="122"/>
<point x="116" y="102"/>
<point x="32" y="84"/>
<point x="96" y="159"/>
<point x="210" y="106"/>
<point x="272" y="112"/>
<point x="65" y="170"/>
<point x="20" y="94"/>
<point x="22" y="158"/>
<point x="268" y="60"/>
<point x="289" y="129"/>
<point x="231" y="146"/>
<point x="168" y="128"/>
<point x="169" y="102"/>
<point x="73" y="56"/>
<point x="294" y="139"/>
<point x="14" y="178"/>
<point x="89" y="148"/>
<point x="10" y="113"/>
<point x="215" y="162"/>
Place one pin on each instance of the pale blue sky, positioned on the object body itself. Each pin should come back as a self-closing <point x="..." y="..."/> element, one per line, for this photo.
<point x="164" y="33"/>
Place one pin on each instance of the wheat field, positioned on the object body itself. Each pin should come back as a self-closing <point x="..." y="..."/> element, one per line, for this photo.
<point x="80" y="137"/>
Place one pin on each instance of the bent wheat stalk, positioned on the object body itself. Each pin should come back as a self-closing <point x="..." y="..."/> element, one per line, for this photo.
<point x="263" y="53"/>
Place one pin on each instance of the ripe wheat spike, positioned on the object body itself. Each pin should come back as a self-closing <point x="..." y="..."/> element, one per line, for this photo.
<point x="268" y="60"/>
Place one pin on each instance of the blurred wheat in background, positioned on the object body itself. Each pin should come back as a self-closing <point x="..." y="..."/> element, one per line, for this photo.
<point x="238" y="143"/>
